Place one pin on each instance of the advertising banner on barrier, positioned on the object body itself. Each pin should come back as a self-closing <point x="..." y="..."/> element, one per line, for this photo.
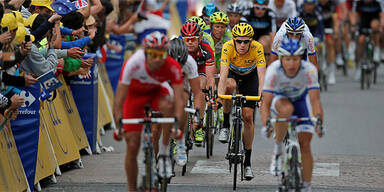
<point x="84" y="91"/>
<point x="26" y="130"/>
<point x="46" y="161"/>
<point x="62" y="139"/>
<point x="12" y="176"/>
<point x="65" y="95"/>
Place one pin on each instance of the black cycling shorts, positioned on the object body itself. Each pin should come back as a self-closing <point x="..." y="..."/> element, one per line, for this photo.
<point x="247" y="85"/>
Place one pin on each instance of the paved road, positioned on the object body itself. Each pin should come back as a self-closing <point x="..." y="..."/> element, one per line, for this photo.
<point x="349" y="158"/>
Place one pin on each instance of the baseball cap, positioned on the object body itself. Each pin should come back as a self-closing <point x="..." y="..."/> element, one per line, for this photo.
<point x="42" y="3"/>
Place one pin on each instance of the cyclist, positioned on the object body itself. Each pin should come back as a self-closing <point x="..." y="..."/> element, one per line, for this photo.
<point x="290" y="84"/>
<point x="219" y="33"/>
<point x="283" y="9"/>
<point x="331" y="26"/>
<point x="206" y="37"/>
<point x="242" y="66"/>
<point x="371" y="15"/>
<point x="263" y="21"/>
<point x="207" y="11"/>
<point x="179" y="51"/>
<point x="204" y="56"/>
<point x="235" y="14"/>
<point x="143" y="81"/>
<point x="295" y="28"/>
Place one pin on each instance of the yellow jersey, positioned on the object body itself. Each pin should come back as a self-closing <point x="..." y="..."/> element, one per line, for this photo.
<point x="243" y="64"/>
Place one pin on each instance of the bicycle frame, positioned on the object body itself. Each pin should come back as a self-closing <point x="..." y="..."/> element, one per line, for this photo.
<point x="235" y="155"/>
<point x="149" y="179"/>
<point x="292" y="171"/>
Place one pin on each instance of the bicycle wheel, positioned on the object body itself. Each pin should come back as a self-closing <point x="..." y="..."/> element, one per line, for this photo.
<point x="294" y="168"/>
<point x="164" y="185"/>
<point x="188" y="142"/>
<point x="362" y="79"/>
<point x="236" y="150"/>
<point x="148" y="168"/>
<point x="208" y="132"/>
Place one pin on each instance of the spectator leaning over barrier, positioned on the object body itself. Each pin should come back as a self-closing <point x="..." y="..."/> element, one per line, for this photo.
<point x="43" y="57"/>
<point x="75" y="21"/>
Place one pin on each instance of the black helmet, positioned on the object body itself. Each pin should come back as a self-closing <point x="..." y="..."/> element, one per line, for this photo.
<point x="178" y="50"/>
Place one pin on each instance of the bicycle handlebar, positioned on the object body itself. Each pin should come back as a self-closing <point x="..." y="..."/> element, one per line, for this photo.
<point x="248" y="98"/>
<point x="149" y="120"/>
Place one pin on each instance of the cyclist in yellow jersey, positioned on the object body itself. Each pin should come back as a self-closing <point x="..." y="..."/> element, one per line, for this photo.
<point x="243" y="66"/>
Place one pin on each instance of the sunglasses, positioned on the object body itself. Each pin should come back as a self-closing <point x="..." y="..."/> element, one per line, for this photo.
<point x="156" y="54"/>
<point x="192" y="39"/>
<point x="297" y="34"/>
<point x="242" y="41"/>
<point x="260" y="7"/>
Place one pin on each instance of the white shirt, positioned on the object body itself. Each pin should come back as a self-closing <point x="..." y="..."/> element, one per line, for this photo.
<point x="287" y="11"/>
<point x="190" y="68"/>
<point x="294" y="88"/>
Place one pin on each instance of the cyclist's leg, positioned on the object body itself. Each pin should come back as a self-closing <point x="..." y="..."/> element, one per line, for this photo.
<point x="375" y="26"/>
<point x="227" y="104"/>
<point x="200" y="103"/>
<point x="331" y="53"/>
<point x="131" y="169"/>
<point x="281" y="107"/>
<point x="360" y="48"/>
<point x="305" y="131"/>
<point x="133" y="108"/>
<point x="249" y="86"/>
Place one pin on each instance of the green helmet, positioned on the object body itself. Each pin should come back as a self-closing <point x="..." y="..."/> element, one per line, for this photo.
<point x="199" y="21"/>
<point x="219" y="17"/>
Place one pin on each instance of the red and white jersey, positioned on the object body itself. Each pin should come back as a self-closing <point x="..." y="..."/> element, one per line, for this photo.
<point x="142" y="81"/>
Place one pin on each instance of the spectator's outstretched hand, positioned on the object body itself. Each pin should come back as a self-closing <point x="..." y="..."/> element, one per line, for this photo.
<point x="5" y="37"/>
<point x="29" y="80"/>
<point x="17" y="101"/>
<point x="75" y="52"/>
<point x="55" y="17"/>
<point x="86" y="63"/>
<point x="78" y="31"/>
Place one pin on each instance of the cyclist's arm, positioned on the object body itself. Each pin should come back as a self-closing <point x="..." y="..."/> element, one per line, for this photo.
<point x="121" y="94"/>
<point x="266" y="107"/>
<point x="314" y="96"/>
<point x="313" y="60"/>
<point x="268" y="93"/>
<point x="211" y="72"/>
<point x="222" y="81"/>
<point x="179" y="102"/>
<point x="195" y="87"/>
<point x="314" y="91"/>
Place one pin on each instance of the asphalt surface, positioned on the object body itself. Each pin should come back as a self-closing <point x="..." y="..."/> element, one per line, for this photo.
<point x="349" y="158"/>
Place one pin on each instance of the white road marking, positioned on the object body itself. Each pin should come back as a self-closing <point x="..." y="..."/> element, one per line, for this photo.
<point x="221" y="167"/>
<point x="210" y="167"/>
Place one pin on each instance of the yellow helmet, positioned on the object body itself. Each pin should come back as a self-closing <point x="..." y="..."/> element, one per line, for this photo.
<point x="242" y="30"/>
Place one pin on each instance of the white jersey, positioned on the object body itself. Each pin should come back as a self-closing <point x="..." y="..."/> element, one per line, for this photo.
<point x="306" y="39"/>
<point x="287" y="11"/>
<point x="190" y="68"/>
<point x="293" y="88"/>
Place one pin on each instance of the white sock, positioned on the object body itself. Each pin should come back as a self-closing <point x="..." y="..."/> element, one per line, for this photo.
<point x="278" y="149"/>
<point x="163" y="149"/>
<point x="306" y="184"/>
